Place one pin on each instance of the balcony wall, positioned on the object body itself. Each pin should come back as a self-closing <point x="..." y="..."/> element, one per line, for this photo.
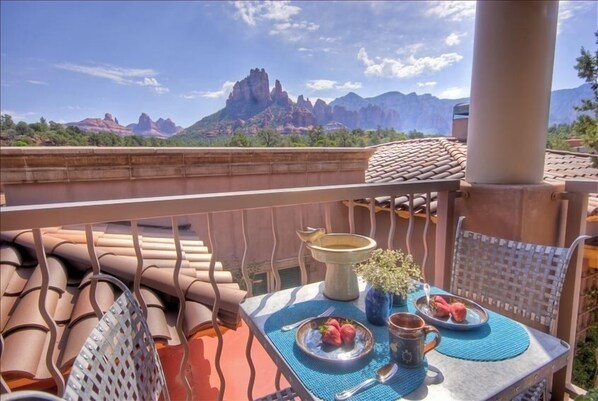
<point x="33" y="175"/>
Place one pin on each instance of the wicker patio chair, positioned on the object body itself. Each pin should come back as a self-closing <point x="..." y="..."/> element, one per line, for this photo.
<point x="119" y="360"/>
<point x="520" y="280"/>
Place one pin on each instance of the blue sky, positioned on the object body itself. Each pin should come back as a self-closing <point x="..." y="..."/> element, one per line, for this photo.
<point x="70" y="60"/>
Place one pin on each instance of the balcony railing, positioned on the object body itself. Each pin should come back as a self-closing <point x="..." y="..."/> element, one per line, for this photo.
<point x="276" y="215"/>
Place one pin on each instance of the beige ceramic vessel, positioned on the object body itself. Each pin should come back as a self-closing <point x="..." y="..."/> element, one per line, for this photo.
<point x="340" y="252"/>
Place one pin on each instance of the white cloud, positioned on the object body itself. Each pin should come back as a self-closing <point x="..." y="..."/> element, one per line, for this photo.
<point x="154" y="84"/>
<point x="426" y="84"/>
<point x="454" y="92"/>
<point x="304" y="49"/>
<point x="119" y="75"/>
<point x="18" y="116"/>
<point x="320" y="84"/>
<point x="408" y="67"/>
<point x="410" y="49"/>
<point x="568" y="10"/>
<point x="224" y="91"/>
<point x="34" y="82"/>
<point x="349" y="85"/>
<point x="279" y="10"/>
<point x="327" y="84"/>
<point x="281" y="13"/>
<point x="328" y="39"/>
<point x="297" y="26"/>
<point x="451" y="10"/>
<point x="252" y="11"/>
<point x="161" y="90"/>
<point x="116" y="74"/>
<point x="149" y="82"/>
<point x="454" y="38"/>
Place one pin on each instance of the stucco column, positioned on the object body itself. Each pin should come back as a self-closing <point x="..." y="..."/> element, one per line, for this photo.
<point x="510" y="91"/>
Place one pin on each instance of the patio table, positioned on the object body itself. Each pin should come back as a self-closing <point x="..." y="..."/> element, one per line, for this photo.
<point x="447" y="377"/>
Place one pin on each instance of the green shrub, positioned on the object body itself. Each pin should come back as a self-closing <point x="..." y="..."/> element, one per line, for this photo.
<point x="584" y="363"/>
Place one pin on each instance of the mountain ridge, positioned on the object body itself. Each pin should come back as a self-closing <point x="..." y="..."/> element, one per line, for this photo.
<point x="251" y="106"/>
<point x="145" y="126"/>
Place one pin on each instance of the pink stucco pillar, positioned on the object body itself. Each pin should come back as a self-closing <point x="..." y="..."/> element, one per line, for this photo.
<point x="510" y="91"/>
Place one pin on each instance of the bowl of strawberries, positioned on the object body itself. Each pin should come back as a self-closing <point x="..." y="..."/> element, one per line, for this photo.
<point x="334" y="339"/>
<point x="451" y="312"/>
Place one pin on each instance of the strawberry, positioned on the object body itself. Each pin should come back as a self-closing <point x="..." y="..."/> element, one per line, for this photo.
<point x="440" y="300"/>
<point x="333" y="322"/>
<point x="441" y="310"/>
<point x="348" y="334"/>
<point x="458" y="311"/>
<point x="331" y="335"/>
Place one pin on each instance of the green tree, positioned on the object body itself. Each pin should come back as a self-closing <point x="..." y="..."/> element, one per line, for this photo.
<point x="315" y="136"/>
<point x="342" y="138"/>
<point x="586" y="125"/>
<point x="269" y="137"/>
<point x="23" y="128"/>
<point x="239" y="140"/>
<point x="297" y="140"/>
<point x="6" y="122"/>
<point x="557" y="137"/>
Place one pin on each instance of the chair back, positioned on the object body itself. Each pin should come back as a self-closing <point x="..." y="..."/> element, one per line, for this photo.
<point x="119" y="360"/>
<point x="519" y="279"/>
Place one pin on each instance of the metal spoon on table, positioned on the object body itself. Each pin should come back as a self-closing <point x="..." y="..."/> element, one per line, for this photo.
<point x="427" y="291"/>
<point x="384" y="374"/>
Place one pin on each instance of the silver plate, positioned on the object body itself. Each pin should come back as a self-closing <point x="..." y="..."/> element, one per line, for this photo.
<point x="476" y="315"/>
<point x="309" y="340"/>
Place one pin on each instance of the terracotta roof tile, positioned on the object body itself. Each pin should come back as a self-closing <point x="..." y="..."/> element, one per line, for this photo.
<point x="57" y="277"/>
<point x="83" y="307"/>
<point x="18" y="281"/>
<point x="446" y="158"/>
<point x="66" y="304"/>
<point x="15" y="362"/>
<point x="68" y="300"/>
<point x="7" y="304"/>
<point x="74" y="339"/>
<point x="197" y="316"/>
<point x="156" y="320"/>
<point x="6" y="271"/>
<point x="26" y="312"/>
<point x="9" y="256"/>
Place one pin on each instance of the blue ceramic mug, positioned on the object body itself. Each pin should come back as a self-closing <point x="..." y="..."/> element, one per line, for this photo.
<point x="407" y="336"/>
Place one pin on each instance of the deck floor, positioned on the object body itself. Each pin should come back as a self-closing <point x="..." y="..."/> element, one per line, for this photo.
<point x="202" y="371"/>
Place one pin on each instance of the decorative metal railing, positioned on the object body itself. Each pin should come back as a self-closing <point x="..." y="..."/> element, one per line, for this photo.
<point x="287" y="208"/>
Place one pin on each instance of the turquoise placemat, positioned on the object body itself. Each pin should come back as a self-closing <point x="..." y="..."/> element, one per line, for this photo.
<point x="502" y="338"/>
<point x="325" y="379"/>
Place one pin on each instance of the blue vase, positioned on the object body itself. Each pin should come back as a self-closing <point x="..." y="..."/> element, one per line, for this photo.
<point x="377" y="306"/>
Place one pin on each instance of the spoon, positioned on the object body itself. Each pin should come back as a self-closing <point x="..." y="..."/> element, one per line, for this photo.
<point x="384" y="374"/>
<point x="427" y="291"/>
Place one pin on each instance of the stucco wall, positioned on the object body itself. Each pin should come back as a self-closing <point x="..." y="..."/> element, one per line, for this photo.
<point x="50" y="175"/>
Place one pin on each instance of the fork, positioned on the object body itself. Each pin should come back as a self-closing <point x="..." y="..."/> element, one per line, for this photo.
<point x="291" y="326"/>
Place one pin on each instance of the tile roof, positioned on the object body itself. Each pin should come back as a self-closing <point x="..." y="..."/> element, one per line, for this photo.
<point x="69" y="302"/>
<point x="437" y="158"/>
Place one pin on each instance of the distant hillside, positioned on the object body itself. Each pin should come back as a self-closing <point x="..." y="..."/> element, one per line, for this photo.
<point x="563" y="102"/>
<point x="107" y="124"/>
<point x="154" y="129"/>
<point x="251" y="106"/>
<point x="145" y="127"/>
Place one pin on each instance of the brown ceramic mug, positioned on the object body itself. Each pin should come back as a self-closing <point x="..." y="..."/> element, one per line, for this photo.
<point x="406" y="338"/>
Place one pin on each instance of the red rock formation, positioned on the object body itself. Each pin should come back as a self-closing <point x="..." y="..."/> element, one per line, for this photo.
<point x="249" y="96"/>
<point x="102" y="125"/>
